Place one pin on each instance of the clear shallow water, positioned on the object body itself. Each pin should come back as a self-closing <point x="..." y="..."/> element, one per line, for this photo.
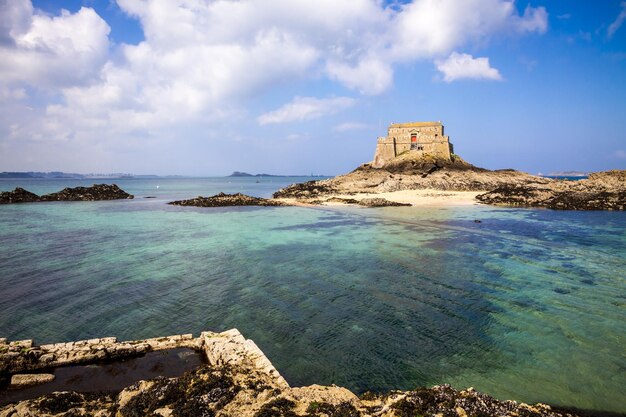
<point x="527" y="305"/>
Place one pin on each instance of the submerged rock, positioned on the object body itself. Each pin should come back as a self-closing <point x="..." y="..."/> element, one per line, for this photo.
<point x="94" y="193"/>
<point x="19" y="195"/>
<point x="227" y="200"/>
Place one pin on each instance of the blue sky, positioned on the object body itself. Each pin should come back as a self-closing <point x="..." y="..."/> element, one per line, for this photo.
<point x="197" y="87"/>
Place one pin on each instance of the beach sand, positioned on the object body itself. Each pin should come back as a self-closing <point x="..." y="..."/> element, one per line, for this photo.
<point x="418" y="198"/>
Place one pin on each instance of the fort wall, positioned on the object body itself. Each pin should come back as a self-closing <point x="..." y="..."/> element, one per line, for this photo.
<point x="425" y="138"/>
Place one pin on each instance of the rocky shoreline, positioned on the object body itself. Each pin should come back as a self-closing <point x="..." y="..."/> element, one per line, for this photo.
<point x="96" y="192"/>
<point x="238" y="380"/>
<point x="601" y="191"/>
<point x="368" y="186"/>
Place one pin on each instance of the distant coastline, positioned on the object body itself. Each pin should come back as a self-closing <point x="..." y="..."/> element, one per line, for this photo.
<point x="75" y="176"/>
<point x="52" y="175"/>
<point x="246" y="174"/>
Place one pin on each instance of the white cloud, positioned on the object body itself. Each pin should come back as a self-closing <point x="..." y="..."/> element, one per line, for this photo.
<point x="344" y="127"/>
<point x="202" y="59"/>
<point x="617" y="23"/>
<point x="462" y="66"/>
<point x="369" y="76"/>
<point x="15" y="19"/>
<point x="426" y="28"/>
<point x="51" y="52"/>
<point x="306" y="108"/>
<point x="533" y="20"/>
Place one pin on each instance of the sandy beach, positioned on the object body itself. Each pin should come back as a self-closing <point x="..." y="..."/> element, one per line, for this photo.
<point x="418" y="198"/>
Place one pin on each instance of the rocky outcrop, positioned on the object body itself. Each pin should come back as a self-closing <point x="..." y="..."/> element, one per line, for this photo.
<point x="96" y="192"/>
<point x="227" y="200"/>
<point x="240" y="381"/>
<point x="307" y="190"/>
<point x="19" y="195"/>
<point x="601" y="191"/>
<point x="409" y="172"/>
<point x="380" y="202"/>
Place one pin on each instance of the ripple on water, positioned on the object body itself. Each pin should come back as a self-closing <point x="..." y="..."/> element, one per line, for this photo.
<point x="528" y="304"/>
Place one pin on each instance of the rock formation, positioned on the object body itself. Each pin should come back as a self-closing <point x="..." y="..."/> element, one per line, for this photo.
<point x="601" y="191"/>
<point x="19" y="195"/>
<point x="94" y="193"/>
<point x="240" y="381"/>
<point x="410" y="171"/>
<point x="23" y="356"/>
<point x="227" y="200"/>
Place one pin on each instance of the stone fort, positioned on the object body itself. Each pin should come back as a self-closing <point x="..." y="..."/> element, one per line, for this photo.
<point x="425" y="138"/>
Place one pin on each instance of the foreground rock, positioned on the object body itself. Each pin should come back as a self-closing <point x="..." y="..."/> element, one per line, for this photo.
<point x="227" y="200"/>
<point x="601" y="191"/>
<point x="240" y="381"/>
<point x="19" y="195"/>
<point x="24" y="356"/>
<point x="94" y="193"/>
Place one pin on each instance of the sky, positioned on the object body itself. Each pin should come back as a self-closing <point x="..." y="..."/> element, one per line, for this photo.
<point x="207" y="87"/>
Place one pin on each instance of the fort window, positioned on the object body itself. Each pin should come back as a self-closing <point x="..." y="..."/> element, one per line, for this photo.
<point x="413" y="141"/>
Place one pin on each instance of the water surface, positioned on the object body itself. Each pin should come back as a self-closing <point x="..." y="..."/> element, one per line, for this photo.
<point x="527" y="305"/>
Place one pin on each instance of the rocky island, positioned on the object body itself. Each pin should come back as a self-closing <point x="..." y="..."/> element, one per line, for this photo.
<point x="238" y="380"/>
<point x="96" y="192"/>
<point x="416" y="160"/>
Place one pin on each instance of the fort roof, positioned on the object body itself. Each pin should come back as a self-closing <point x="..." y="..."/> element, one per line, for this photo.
<point x="415" y="124"/>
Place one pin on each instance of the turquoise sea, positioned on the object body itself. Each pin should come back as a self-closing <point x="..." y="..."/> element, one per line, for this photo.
<point x="527" y="304"/>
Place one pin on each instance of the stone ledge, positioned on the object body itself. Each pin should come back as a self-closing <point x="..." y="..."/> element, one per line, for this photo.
<point x="25" y="356"/>
<point x="27" y="380"/>
<point x="228" y="348"/>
